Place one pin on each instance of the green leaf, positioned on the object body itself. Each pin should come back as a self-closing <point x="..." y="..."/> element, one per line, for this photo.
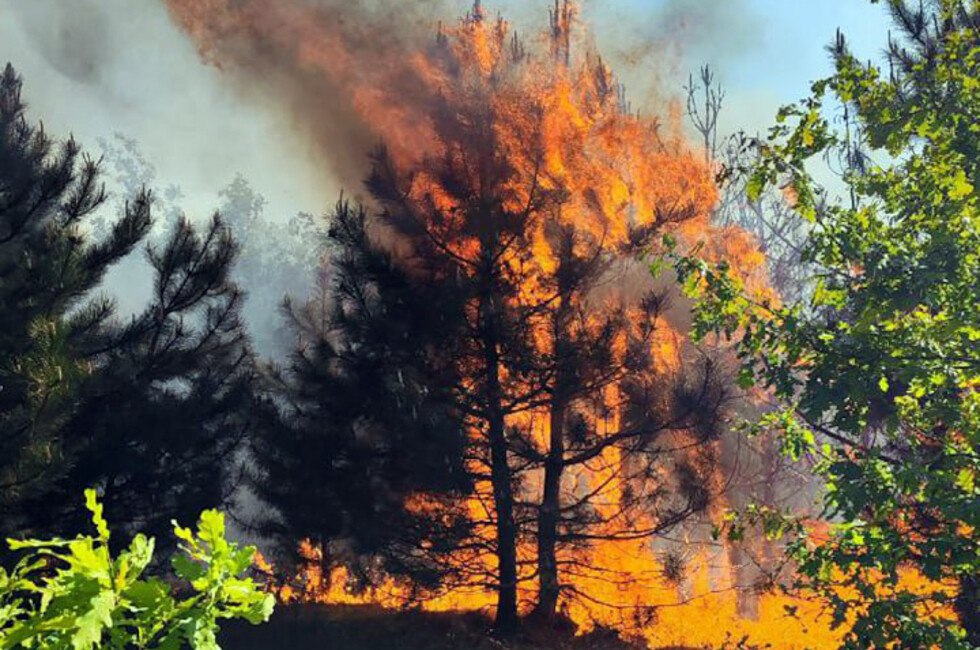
<point x="961" y="187"/>
<point x="140" y="553"/>
<point x="746" y="378"/>
<point x="88" y="559"/>
<point x="90" y="625"/>
<point x="187" y="568"/>
<point x="93" y="506"/>
<point x="83" y="599"/>
<point x="149" y="595"/>
<point x="211" y="527"/>
<point x="756" y="184"/>
<point x="966" y="479"/>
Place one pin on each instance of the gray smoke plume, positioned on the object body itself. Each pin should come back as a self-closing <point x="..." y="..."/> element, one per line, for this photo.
<point x="71" y="36"/>
<point x="308" y="60"/>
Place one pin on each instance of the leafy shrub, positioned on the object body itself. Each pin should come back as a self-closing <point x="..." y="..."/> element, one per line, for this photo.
<point x="73" y="595"/>
<point x="877" y="371"/>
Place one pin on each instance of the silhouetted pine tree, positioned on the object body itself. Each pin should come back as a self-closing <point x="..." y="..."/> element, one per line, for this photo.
<point x="47" y="270"/>
<point x="166" y="404"/>
<point x="406" y="373"/>
<point x="474" y="254"/>
<point x="536" y="339"/>
<point x="366" y="419"/>
<point x="148" y="411"/>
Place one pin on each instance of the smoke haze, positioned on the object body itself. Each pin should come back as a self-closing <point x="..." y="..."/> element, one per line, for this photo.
<point x="336" y="70"/>
<point x="98" y="67"/>
<point x="75" y="40"/>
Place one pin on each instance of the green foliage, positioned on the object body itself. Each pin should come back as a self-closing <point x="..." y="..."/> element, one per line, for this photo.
<point x="74" y="594"/>
<point x="880" y="373"/>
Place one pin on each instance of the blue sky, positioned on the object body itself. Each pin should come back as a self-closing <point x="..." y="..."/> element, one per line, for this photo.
<point x="791" y="35"/>
<point x="96" y="67"/>
<point x="766" y="53"/>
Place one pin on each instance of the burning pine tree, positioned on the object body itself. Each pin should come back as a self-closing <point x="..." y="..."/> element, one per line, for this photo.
<point x="493" y="291"/>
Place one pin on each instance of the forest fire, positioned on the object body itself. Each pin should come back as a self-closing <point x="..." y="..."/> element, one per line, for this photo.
<point x="607" y="183"/>
<point x="550" y="378"/>
<point x="519" y="162"/>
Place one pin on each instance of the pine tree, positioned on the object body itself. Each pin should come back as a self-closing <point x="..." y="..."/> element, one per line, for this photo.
<point x="157" y="423"/>
<point x="150" y="411"/>
<point x="365" y="420"/>
<point x="449" y="291"/>
<point x="610" y="393"/>
<point x="406" y="378"/>
<point x="477" y="250"/>
<point x="48" y="269"/>
<point x="471" y="227"/>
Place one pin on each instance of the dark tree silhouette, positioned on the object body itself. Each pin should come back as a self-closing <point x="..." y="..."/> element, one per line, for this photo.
<point x="478" y="232"/>
<point x="477" y="252"/>
<point x="47" y="271"/>
<point x="362" y="420"/>
<point x="149" y="411"/>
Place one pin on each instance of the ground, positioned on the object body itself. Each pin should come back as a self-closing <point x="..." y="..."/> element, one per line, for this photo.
<point x="369" y="628"/>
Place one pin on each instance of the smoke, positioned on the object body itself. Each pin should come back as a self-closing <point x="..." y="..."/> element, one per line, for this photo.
<point x="655" y="45"/>
<point x="350" y="75"/>
<point x="336" y="69"/>
<point x="720" y="28"/>
<point x="347" y="74"/>
<point x="666" y="33"/>
<point x="71" y="36"/>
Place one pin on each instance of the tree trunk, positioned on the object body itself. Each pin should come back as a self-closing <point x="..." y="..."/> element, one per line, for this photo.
<point x="506" y="620"/>
<point x="548" y="517"/>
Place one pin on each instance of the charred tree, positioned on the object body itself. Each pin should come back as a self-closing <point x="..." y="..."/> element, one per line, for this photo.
<point x="497" y="156"/>
<point x="474" y="242"/>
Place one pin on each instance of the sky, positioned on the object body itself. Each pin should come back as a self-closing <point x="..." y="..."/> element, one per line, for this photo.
<point x="95" y="68"/>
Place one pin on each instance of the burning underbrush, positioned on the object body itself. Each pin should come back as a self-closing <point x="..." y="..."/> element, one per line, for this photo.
<point x="344" y="627"/>
<point x="629" y="594"/>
